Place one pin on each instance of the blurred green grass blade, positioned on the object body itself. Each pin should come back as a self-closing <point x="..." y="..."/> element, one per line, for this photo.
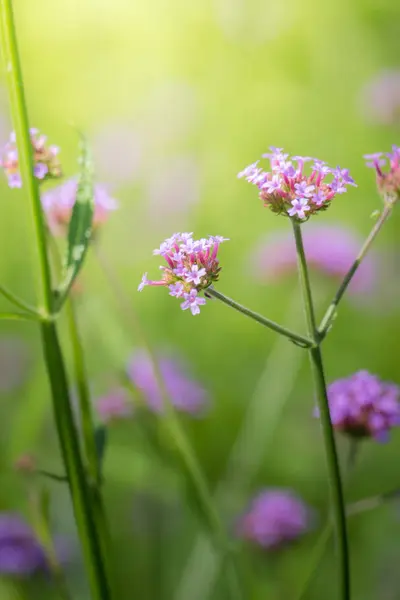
<point x="80" y="226"/>
<point x="101" y="440"/>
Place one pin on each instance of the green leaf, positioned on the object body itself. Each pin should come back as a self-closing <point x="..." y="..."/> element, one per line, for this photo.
<point x="80" y="226"/>
<point x="101" y="439"/>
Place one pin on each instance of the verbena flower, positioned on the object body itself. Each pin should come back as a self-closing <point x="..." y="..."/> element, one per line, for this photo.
<point x="59" y="201"/>
<point x="274" y="518"/>
<point x="330" y="249"/>
<point x="192" y="266"/>
<point x="45" y="159"/>
<point x="114" y="406"/>
<point x="387" y="167"/>
<point x="287" y="189"/>
<point x="364" y="406"/>
<point x="184" y="393"/>
<point x="20" y="552"/>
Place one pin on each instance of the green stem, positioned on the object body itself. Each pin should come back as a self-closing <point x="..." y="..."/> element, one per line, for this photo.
<point x="11" y="316"/>
<point x="331" y="311"/>
<point x="177" y="433"/>
<point x="332" y="459"/>
<point x="65" y="424"/>
<point x="294" y="337"/>
<point x="11" y="297"/>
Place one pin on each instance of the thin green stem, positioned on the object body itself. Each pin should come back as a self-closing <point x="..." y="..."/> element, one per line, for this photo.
<point x="66" y="428"/>
<point x="11" y="297"/>
<point x="291" y="335"/>
<point x="331" y="311"/>
<point x="177" y="433"/>
<point x="13" y="316"/>
<point x="332" y="459"/>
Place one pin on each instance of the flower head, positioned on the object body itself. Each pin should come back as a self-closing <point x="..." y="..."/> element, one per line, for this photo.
<point x="45" y="159"/>
<point x="192" y="266"/>
<point x="114" y="406"/>
<point x="274" y="518"/>
<point x="286" y="189"/>
<point x="185" y="394"/>
<point x="330" y="249"/>
<point x="58" y="204"/>
<point x="20" y="552"/>
<point x="364" y="406"/>
<point x="387" y="167"/>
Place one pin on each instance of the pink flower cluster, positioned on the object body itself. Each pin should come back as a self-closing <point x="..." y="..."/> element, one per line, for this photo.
<point x="46" y="163"/>
<point x="192" y="267"/>
<point x="289" y="191"/>
<point x="388" y="180"/>
<point x="58" y="204"/>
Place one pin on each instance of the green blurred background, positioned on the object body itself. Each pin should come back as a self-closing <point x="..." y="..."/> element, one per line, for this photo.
<point x="176" y="98"/>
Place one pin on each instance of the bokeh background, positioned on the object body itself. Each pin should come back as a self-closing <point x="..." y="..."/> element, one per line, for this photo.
<point x="176" y="98"/>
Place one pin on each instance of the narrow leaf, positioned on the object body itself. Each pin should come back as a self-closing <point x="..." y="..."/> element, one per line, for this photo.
<point x="80" y="226"/>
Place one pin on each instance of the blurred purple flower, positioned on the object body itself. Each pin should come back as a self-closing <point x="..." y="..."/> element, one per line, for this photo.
<point x="364" y="406"/>
<point x="274" y="518"/>
<point x="114" y="406"/>
<point x="20" y="552"/>
<point x="185" y="394"/>
<point x="330" y="249"/>
<point x="14" y="363"/>
<point x="118" y="153"/>
<point x="380" y="97"/>
<point x="387" y="169"/>
<point x="59" y="201"/>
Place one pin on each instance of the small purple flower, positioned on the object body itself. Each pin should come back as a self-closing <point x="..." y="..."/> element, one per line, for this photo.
<point x="287" y="191"/>
<point x="299" y="208"/>
<point x="14" y="180"/>
<point x="275" y="518"/>
<point x="249" y="171"/>
<point x="388" y="181"/>
<point x="193" y="301"/>
<point x="364" y="406"/>
<point x="41" y="170"/>
<point x="114" y="406"/>
<point x="185" y="394"/>
<point x="21" y="554"/>
<point x="375" y="160"/>
<point x="192" y="266"/>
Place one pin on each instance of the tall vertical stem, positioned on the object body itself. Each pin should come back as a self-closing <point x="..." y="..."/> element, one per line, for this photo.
<point x="64" y="419"/>
<point x="332" y="459"/>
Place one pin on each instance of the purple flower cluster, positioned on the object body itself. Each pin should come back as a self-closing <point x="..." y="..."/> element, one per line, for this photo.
<point x="20" y="552"/>
<point x="192" y="267"/>
<point x="330" y="249"/>
<point x="185" y="394"/>
<point x="288" y="190"/>
<point x="274" y="518"/>
<point x="364" y="406"/>
<point x="387" y="167"/>
<point x="58" y="204"/>
<point x="114" y="406"/>
<point x="46" y="164"/>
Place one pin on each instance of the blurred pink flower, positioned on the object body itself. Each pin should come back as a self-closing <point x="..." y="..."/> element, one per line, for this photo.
<point x="114" y="406"/>
<point x="330" y="249"/>
<point x="380" y="97"/>
<point x="185" y="394"/>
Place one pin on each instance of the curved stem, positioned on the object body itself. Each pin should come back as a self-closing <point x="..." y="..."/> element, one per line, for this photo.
<point x="332" y="459"/>
<point x="294" y="337"/>
<point x="177" y="433"/>
<point x="330" y="313"/>
<point x="54" y="361"/>
<point x="11" y="297"/>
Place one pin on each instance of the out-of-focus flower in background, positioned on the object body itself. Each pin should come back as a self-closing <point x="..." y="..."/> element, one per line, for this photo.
<point x="274" y="518"/>
<point x="387" y="168"/>
<point x="380" y="98"/>
<point x="59" y="201"/>
<point x="118" y="153"/>
<point x="45" y="159"/>
<point x="185" y="394"/>
<point x="114" y="406"/>
<point x="288" y="190"/>
<point x="21" y="554"/>
<point x="14" y="363"/>
<point x="330" y="249"/>
<point x="363" y="405"/>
